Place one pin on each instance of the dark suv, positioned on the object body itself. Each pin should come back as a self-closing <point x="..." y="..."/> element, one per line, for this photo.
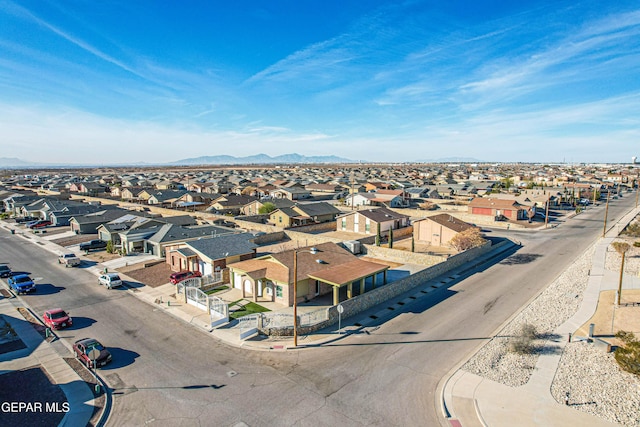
<point x="93" y="244"/>
<point x="5" y="270"/>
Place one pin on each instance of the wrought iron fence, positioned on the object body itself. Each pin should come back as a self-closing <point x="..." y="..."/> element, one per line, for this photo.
<point x="217" y="305"/>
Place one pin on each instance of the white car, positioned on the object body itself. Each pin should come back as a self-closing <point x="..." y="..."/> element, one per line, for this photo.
<point x="110" y="280"/>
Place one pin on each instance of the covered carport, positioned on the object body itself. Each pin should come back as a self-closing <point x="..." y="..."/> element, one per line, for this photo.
<point x="348" y="274"/>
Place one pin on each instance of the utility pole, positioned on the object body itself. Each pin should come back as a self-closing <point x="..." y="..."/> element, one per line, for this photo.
<point x="352" y="193"/>
<point x="546" y="212"/>
<point x="606" y="212"/>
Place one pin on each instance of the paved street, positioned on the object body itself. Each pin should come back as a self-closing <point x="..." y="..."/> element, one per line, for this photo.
<point x="166" y="372"/>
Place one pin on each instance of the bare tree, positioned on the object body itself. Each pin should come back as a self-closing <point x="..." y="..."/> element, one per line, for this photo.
<point x="621" y="248"/>
<point x="467" y="239"/>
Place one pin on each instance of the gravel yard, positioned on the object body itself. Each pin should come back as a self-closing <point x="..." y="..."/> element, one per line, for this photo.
<point x="591" y="375"/>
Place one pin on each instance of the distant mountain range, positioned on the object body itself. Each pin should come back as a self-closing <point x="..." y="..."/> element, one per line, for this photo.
<point x="260" y="159"/>
<point x="12" y="162"/>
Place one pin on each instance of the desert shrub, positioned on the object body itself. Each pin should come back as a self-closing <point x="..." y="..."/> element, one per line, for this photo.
<point x="632" y="229"/>
<point x="636" y="244"/>
<point x="628" y="354"/>
<point x="523" y="343"/>
<point x="109" y="247"/>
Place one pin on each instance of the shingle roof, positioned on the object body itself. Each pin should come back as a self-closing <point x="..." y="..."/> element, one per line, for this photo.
<point x="379" y="214"/>
<point x="172" y="233"/>
<point x="448" y="221"/>
<point x="224" y="246"/>
<point x="315" y="209"/>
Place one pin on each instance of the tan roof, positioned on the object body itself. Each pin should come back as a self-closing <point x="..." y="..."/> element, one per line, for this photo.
<point x="338" y="264"/>
<point x="448" y="221"/>
<point x="348" y="272"/>
<point x="258" y="268"/>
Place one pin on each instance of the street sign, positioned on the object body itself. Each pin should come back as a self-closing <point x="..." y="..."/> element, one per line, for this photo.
<point x="340" y="309"/>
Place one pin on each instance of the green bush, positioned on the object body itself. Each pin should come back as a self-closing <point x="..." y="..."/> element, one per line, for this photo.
<point x="636" y="244"/>
<point x="109" y="247"/>
<point x="628" y="354"/>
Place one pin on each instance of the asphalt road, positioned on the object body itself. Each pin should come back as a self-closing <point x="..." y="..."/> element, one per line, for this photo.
<point x="168" y="373"/>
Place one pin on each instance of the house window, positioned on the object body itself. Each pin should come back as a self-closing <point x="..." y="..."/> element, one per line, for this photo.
<point x="279" y="219"/>
<point x="367" y="226"/>
<point x="278" y="291"/>
<point x="344" y="223"/>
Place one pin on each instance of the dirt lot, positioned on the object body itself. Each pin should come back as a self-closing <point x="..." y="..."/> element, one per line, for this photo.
<point x="153" y="276"/>
<point x="609" y="319"/>
<point x="74" y="240"/>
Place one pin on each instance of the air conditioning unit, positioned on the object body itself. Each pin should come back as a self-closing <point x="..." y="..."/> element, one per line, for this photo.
<point x="353" y="246"/>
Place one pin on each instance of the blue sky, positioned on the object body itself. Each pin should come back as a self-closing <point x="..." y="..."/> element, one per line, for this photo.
<point x="147" y="81"/>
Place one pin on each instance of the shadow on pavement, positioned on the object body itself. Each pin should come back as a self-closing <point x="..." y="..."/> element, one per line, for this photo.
<point x="80" y="323"/>
<point x="87" y="264"/>
<point x="120" y="358"/>
<point x="48" y="289"/>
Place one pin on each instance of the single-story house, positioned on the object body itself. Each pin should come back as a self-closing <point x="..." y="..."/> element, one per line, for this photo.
<point x="308" y="213"/>
<point x="509" y="208"/>
<point x="438" y="230"/>
<point x="211" y="254"/>
<point x="325" y="269"/>
<point x="366" y="221"/>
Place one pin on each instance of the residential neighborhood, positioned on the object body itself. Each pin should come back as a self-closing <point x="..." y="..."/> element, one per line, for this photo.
<point x="257" y="255"/>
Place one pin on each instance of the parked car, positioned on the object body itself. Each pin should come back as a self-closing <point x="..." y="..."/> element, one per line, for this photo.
<point x="41" y="223"/>
<point x="110" y="280"/>
<point x="93" y="244"/>
<point x="183" y="275"/>
<point x="90" y="352"/>
<point x="69" y="260"/>
<point x="21" y="283"/>
<point x="5" y="270"/>
<point x="25" y="219"/>
<point x="57" y="318"/>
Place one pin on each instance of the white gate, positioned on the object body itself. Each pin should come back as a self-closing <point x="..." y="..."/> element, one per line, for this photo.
<point x="218" y="311"/>
<point x="197" y="298"/>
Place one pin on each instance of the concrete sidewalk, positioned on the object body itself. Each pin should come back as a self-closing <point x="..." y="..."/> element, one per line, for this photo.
<point x="41" y="353"/>
<point x="470" y="400"/>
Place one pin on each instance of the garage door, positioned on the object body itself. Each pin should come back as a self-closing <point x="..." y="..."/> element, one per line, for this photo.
<point x="482" y="211"/>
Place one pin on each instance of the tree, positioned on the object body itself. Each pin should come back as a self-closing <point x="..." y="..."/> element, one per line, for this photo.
<point x="267" y="208"/>
<point x="467" y="239"/>
<point x="391" y="238"/>
<point x="507" y="183"/>
<point x="109" y="247"/>
<point x="427" y="206"/>
<point x="413" y="244"/>
<point x="628" y="354"/>
<point x="378" y="238"/>
<point x="621" y="248"/>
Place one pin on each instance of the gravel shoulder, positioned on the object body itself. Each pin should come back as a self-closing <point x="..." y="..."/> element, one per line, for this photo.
<point x="595" y="383"/>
